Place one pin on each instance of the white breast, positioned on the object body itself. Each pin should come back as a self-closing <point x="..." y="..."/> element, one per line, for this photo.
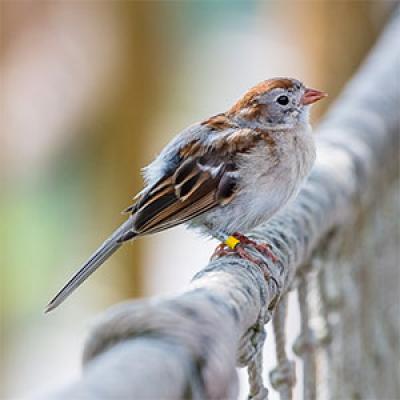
<point x="267" y="183"/>
<point x="270" y="185"/>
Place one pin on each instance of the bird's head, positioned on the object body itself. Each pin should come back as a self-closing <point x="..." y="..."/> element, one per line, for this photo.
<point x="277" y="104"/>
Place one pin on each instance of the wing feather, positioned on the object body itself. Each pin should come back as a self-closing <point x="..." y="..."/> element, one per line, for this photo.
<point x="204" y="176"/>
<point x="194" y="192"/>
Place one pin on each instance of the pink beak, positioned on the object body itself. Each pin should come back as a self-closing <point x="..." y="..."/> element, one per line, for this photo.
<point x="312" y="95"/>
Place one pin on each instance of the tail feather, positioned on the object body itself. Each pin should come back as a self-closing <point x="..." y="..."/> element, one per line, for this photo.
<point x="109" y="247"/>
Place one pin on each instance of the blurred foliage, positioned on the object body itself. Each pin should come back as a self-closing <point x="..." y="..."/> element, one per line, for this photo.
<point x="33" y="228"/>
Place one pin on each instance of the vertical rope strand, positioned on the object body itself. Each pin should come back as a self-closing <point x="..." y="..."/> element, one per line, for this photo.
<point x="283" y="377"/>
<point x="304" y="345"/>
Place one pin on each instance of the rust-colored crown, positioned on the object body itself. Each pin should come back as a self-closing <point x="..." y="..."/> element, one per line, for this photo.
<point x="259" y="89"/>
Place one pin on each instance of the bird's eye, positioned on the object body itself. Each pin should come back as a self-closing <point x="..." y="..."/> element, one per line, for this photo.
<point x="283" y="100"/>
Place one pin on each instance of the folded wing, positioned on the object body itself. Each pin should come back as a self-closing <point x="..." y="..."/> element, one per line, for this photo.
<point x="196" y="186"/>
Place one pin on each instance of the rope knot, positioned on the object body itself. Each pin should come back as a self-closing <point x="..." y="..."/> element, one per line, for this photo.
<point x="250" y="355"/>
<point x="283" y="376"/>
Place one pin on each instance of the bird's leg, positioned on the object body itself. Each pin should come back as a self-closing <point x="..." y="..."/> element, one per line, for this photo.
<point x="243" y="253"/>
<point x="263" y="248"/>
<point x="221" y="250"/>
<point x="235" y="244"/>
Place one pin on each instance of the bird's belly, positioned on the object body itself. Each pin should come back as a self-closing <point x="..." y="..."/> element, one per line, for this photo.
<point x="265" y="188"/>
<point x="260" y="198"/>
<point x="263" y="197"/>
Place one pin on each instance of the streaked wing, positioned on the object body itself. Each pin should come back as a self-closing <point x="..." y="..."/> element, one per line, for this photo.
<point x="204" y="176"/>
<point x="197" y="185"/>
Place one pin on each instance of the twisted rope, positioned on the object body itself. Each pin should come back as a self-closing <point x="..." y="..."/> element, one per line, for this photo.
<point x="190" y="341"/>
<point x="283" y="377"/>
<point x="250" y="354"/>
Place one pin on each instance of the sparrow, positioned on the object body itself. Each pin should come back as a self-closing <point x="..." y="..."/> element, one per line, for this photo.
<point x="222" y="176"/>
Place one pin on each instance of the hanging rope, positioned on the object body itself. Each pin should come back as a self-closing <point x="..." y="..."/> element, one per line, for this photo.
<point x="283" y="377"/>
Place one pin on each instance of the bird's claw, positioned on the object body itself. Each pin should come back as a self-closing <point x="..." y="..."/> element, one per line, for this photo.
<point x="223" y="250"/>
<point x="263" y="248"/>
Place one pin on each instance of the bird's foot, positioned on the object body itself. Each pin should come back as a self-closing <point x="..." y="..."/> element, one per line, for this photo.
<point x="221" y="250"/>
<point x="263" y="248"/>
<point x="236" y="243"/>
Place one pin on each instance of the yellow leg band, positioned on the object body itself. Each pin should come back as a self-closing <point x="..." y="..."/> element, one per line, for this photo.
<point x="231" y="242"/>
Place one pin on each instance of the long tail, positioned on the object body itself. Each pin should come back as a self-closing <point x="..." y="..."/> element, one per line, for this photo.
<point x="109" y="247"/>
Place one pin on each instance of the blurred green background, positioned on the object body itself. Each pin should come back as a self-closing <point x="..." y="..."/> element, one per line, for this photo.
<point x="90" y="92"/>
